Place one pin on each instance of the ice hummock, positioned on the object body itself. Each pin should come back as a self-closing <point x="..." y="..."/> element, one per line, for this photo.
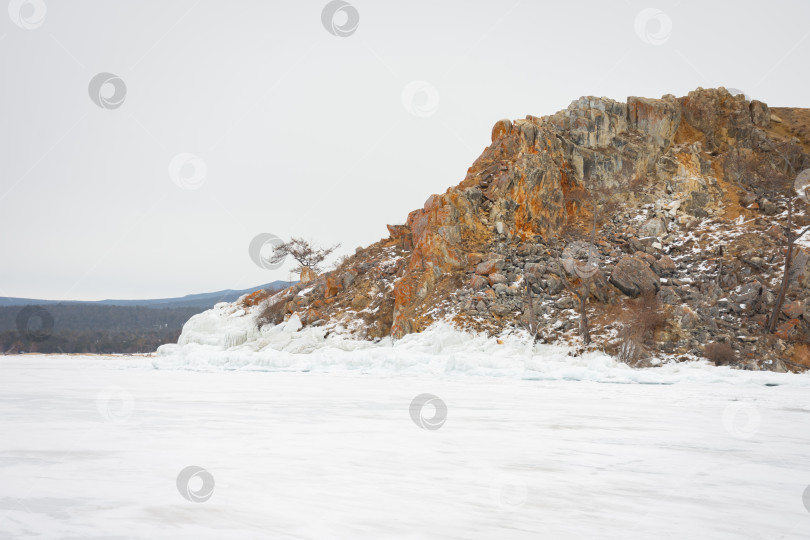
<point x="227" y="337"/>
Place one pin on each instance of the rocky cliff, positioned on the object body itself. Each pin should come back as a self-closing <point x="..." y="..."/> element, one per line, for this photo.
<point x="670" y="200"/>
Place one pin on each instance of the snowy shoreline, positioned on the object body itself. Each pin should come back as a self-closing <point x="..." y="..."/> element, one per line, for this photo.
<point x="227" y="338"/>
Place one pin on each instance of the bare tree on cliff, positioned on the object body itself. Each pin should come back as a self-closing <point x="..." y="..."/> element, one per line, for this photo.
<point x="582" y="260"/>
<point x="789" y="195"/>
<point x="779" y="183"/>
<point x="305" y="253"/>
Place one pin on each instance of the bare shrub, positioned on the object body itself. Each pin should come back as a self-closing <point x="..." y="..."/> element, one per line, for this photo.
<point x="649" y="313"/>
<point x="272" y="313"/>
<point x="630" y="349"/>
<point x="275" y="308"/>
<point x="720" y="353"/>
<point x="638" y="323"/>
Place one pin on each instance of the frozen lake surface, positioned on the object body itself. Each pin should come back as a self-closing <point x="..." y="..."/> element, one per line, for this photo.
<point x="92" y="448"/>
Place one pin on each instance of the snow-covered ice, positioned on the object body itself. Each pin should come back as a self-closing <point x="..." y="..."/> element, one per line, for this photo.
<point x="92" y="447"/>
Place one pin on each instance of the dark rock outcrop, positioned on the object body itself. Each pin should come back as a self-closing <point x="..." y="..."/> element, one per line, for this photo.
<point x="684" y="222"/>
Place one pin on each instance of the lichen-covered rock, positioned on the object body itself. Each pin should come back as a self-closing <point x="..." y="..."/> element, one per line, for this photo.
<point x="656" y="118"/>
<point x="501" y="129"/>
<point x="307" y="274"/>
<point x="489" y="267"/>
<point x="664" y="266"/>
<point x="653" y="227"/>
<point x="478" y="283"/>
<point x="760" y="114"/>
<point x="333" y="286"/>
<point x="484" y="250"/>
<point x="633" y="277"/>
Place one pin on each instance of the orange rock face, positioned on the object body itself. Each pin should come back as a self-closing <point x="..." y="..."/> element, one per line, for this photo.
<point x="787" y="329"/>
<point x="333" y="286"/>
<point x="516" y="190"/>
<point x="494" y="235"/>
<point x="308" y="274"/>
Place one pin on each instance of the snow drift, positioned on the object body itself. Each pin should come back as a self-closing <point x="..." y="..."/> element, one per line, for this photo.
<point x="228" y="337"/>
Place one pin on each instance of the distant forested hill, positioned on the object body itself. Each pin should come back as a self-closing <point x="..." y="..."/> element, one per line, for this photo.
<point x="203" y="300"/>
<point x="107" y="326"/>
<point x="90" y="328"/>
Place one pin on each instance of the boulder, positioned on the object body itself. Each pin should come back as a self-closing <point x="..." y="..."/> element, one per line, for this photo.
<point x="565" y="302"/>
<point x="747" y="198"/>
<point x="478" y="283"/>
<point x="664" y="266"/>
<point x="788" y="329"/>
<point x="402" y="234"/>
<point x="800" y="269"/>
<point x="793" y="310"/>
<point x="474" y="258"/>
<point x="334" y="285"/>
<point x="768" y="207"/>
<point x="489" y="267"/>
<point x="347" y="277"/>
<point x="360" y="301"/>
<point x="776" y="232"/>
<point x="747" y="293"/>
<point x="760" y="114"/>
<point x="669" y="296"/>
<point x="307" y="274"/>
<point x="312" y="315"/>
<point x="688" y="318"/>
<point x="634" y="277"/>
<point x="534" y="268"/>
<point x="398" y="231"/>
<point x="555" y="285"/>
<point x="501" y="129"/>
<point x="653" y="227"/>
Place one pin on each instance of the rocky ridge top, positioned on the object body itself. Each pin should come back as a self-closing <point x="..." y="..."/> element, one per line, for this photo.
<point x="688" y="231"/>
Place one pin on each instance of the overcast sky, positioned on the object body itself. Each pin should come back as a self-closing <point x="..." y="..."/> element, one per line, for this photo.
<point x="231" y="119"/>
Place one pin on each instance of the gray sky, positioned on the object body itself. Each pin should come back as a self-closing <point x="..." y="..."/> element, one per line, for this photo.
<point x="301" y="132"/>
